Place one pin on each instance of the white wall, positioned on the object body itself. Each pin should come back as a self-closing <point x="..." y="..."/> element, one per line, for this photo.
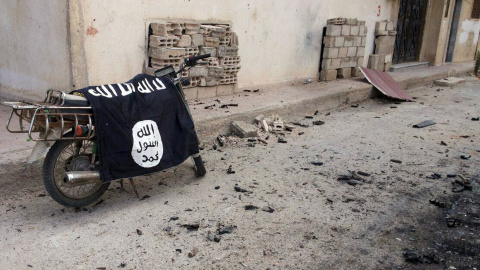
<point x="33" y="46"/>
<point x="279" y="39"/>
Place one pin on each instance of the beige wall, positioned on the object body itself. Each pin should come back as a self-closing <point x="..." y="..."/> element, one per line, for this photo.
<point x="467" y="35"/>
<point x="436" y="32"/>
<point x="34" y="49"/>
<point x="279" y="40"/>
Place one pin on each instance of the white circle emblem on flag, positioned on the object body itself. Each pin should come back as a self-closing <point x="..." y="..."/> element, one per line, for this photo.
<point x="147" y="149"/>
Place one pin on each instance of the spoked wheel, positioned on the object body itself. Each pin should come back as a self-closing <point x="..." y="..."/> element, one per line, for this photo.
<point x="66" y="156"/>
<point x="199" y="167"/>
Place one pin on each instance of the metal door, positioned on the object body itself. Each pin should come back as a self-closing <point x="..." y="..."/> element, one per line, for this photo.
<point x="409" y="28"/>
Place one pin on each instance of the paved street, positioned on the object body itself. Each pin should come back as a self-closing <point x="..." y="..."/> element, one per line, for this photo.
<point x="301" y="216"/>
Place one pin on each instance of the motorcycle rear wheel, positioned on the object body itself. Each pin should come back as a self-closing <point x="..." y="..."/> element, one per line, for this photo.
<point x="66" y="156"/>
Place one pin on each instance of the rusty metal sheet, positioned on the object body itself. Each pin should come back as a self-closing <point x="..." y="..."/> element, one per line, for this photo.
<point x="385" y="84"/>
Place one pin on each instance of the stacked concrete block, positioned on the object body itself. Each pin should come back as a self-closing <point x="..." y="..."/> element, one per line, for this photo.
<point x="384" y="46"/>
<point x="344" y="48"/>
<point x="169" y="42"/>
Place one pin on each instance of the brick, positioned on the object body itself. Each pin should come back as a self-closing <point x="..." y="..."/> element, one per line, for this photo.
<point x="207" y="92"/>
<point x="228" y="79"/>
<point x="226" y="89"/>
<point x="195" y="81"/>
<point x="225" y="41"/>
<point x="166" y="53"/>
<point x="212" y="61"/>
<point x="356" y="72"/>
<point x="352" y="51"/>
<point x="380" y="26"/>
<point x="328" y="75"/>
<point x="381" y="62"/>
<point x="357" y="41"/>
<point x="229" y="60"/>
<point x="339" y="41"/>
<point x="342" y="52"/>
<point x="344" y="73"/>
<point x="212" y="41"/>
<point x="334" y="30"/>
<point x="231" y="69"/>
<point x="191" y="51"/>
<point x="223" y="51"/>
<point x="390" y="26"/>
<point x="349" y="41"/>
<point x="361" y="31"/>
<point x="364" y="41"/>
<point x="373" y="61"/>
<point x="384" y="49"/>
<point x="243" y="130"/>
<point x="346" y="30"/>
<point x="162" y="41"/>
<point x="388" y="58"/>
<point x="211" y="50"/>
<point x="387" y="66"/>
<point x="198" y="72"/>
<point x="354" y="30"/>
<point x="353" y="61"/>
<point x="197" y="40"/>
<point x="360" y="61"/>
<point x="385" y="40"/>
<point x="191" y="28"/>
<point x="184" y="41"/>
<point x="329" y="42"/>
<point x="330" y="53"/>
<point x="360" y="51"/>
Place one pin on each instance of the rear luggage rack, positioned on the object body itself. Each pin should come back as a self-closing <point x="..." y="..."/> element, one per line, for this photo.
<point x="51" y="116"/>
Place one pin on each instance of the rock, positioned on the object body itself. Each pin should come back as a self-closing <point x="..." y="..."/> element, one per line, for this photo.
<point x="230" y="170"/>
<point x="250" y="207"/>
<point x="268" y="209"/>
<point x="465" y="157"/>
<point x="173" y="218"/>
<point x="396" y="160"/>
<point x="139" y="232"/>
<point x="475" y="118"/>
<point x="363" y="173"/>
<point x="239" y="189"/>
<point x="192" y="226"/>
<point x="259" y="118"/>
<point x="443" y="143"/>
<point x="210" y="236"/>
<point x="217" y="187"/>
<point x="318" y="123"/>
<point x="353" y="182"/>
<point x="451" y="175"/>
<point x="243" y="130"/>
<point x="317" y="163"/>
<point x="450" y="81"/>
<point x="192" y="253"/>
<point x="281" y="140"/>
<point x="225" y="229"/>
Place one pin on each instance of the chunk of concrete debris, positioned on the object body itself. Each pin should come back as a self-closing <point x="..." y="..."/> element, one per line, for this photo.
<point x="243" y="130"/>
<point x="425" y="123"/>
<point x="450" y="81"/>
<point x="259" y="118"/>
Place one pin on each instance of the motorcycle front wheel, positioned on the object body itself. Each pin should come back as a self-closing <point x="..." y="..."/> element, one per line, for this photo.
<point x="70" y="155"/>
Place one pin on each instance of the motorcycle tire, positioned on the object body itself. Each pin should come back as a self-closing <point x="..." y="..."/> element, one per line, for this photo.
<point x="53" y="183"/>
<point x="199" y="166"/>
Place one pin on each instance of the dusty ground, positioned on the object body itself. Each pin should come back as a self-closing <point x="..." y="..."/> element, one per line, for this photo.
<point x="318" y="222"/>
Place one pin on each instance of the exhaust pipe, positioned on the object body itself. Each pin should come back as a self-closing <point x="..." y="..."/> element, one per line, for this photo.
<point x="80" y="178"/>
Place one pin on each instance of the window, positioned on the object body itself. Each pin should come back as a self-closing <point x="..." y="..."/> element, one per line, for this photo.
<point x="476" y="9"/>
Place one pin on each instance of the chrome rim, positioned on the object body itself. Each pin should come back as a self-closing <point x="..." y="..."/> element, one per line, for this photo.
<point x="76" y="156"/>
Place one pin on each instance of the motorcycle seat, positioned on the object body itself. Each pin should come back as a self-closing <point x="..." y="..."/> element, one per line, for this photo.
<point x="75" y="101"/>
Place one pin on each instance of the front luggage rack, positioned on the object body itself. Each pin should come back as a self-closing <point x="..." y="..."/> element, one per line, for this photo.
<point x="51" y="117"/>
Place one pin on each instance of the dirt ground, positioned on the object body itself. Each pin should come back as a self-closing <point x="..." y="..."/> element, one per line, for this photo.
<point x="318" y="221"/>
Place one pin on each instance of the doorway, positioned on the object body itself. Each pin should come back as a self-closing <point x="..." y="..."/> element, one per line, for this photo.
<point x="453" y="30"/>
<point x="411" y="18"/>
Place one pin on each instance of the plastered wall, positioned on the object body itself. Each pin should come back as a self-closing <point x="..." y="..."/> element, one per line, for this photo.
<point x="467" y="35"/>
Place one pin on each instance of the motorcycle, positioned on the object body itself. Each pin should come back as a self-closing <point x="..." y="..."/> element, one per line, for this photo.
<point x="69" y="169"/>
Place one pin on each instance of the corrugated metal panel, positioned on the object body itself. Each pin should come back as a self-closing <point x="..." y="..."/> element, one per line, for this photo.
<point x="385" y="84"/>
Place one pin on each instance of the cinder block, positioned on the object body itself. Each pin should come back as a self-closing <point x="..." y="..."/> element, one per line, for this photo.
<point x="339" y="41"/>
<point x="384" y="49"/>
<point x="334" y="30"/>
<point x="191" y="51"/>
<point x="198" y="71"/>
<point x="328" y="75"/>
<point x="207" y="92"/>
<point x="336" y="21"/>
<point x="163" y="41"/>
<point x="226" y="89"/>
<point x="351" y="21"/>
<point x="228" y="79"/>
<point x="342" y="52"/>
<point x="329" y="42"/>
<point x="356" y="72"/>
<point x="197" y="40"/>
<point x="161" y="63"/>
<point x="228" y="60"/>
<point x="353" y="61"/>
<point x="346" y="62"/>
<point x="360" y="51"/>
<point x="381" y="33"/>
<point x="392" y="33"/>
<point x="385" y="40"/>
<point x="387" y="66"/>
<point x="390" y="26"/>
<point x="373" y="61"/>
<point x="361" y="31"/>
<point x="344" y="73"/>
<point x="330" y="52"/>
<point x="381" y="62"/>
<point x="160" y="28"/>
<point x="361" y="23"/>
<point x="346" y="30"/>
<point x="364" y="41"/>
<point x="335" y="64"/>
<point x="381" y="26"/>
<point x="184" y="41"/>
<point x="223" y="51"/>
<point x="212" y="41"/>
<point x="354" y="30"/>
<point x="208" y="81"/>
<point x="225" y="41"/>
<point x="191" y="28"/>
<point x="231" y="69"/>
<point x="217" y="72"/>
<point x="191" y="93"/>
<point x="357" y="41"/>
<point x="360" y="61"/>
<point x="388" y="58"/>
<point x="211" y="50"/>
<point x="331" y="63"/>
<point x="166" y="53"/>
<point x="349" y="41"/>
<point x="352" y="51"/>
<point x="244" y="130"/>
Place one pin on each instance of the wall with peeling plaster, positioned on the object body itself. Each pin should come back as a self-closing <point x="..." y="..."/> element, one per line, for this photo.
<point x="467" y="35"/>
<point x="34" y="52"/>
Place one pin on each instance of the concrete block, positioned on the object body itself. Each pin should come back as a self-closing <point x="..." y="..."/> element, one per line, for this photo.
<point x="208" y="81"/>
<point x="335" y="64"/>
<point x="380" y="26"/>
<point x="225" y="41"/>
<point x="381" y="62"/>
<point x="344" y="73"/>
<point x="328" y="75"/>
<point x="336" y="21"/>
<point x="348" y="62"/>
<point x="342" y="52"/>
<point x="351" y="21"/>
<point x="384" y="49"/>
<point x="329" y="42"/>
<point x="364" y="41"/>
<point x="191" y="28"/>
<point x="234" y="39"/>
<point x="198" y="71"/>
<point x="357" y="41"/>
<point x="392" y="33"/>
<point x="381" y="33"/>
<point x="331" y="63"/>
<point x="231" y="69"/>
<point x="352" y="51"/>
<point x="215" y="72"/>
<point x="176" y="28"/>
<point x="212" y="41"/>
<point x="390" y="26"/>
<point x="361" y="31"/>
<point x="160" y="28"/>
<point x="229" y="61"/>
<point x="207" y="92"/>
<point x="191" y="93"/>
<point x="353" y="61"/>
<point x="356" y="72"/>
<point x="388" y="58"/>
<point x="166" y="53"/>
<point x="184" y="41"/>
<point x="243" y="130"/>
<point x="259" y="118"/>
<point x="339" y="41"/>
<point x="330" y="52"/>
<point x="163" y="41"/>
<point x="334" y="30"/>
<point x="450" y="81"/>
<point x="197" y="40"/>
<point x="349" y="41"/>
<point x="228" y="79"/>
<point x="360" y="23"/>
<point x="373" y="61"/>
<point x="385" y="41"/>
<point x="223" y="51"/>
<point x="360" y="61"/>
<point x="387" y="66"/>
<point x="211" y="50"/>
<point x="346" y="30"/>
<point x="161" y="63"/>
<point x="360" y="51"/>
<point x="191" y="51"/>
<point x="354" y="30"/>
<point x="226" y="89"/>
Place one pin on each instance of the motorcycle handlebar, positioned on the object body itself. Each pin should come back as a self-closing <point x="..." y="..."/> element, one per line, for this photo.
<point x="198" y="57"/>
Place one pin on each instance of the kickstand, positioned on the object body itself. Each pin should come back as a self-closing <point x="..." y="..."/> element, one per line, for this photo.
<point x="134" y="187"/>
